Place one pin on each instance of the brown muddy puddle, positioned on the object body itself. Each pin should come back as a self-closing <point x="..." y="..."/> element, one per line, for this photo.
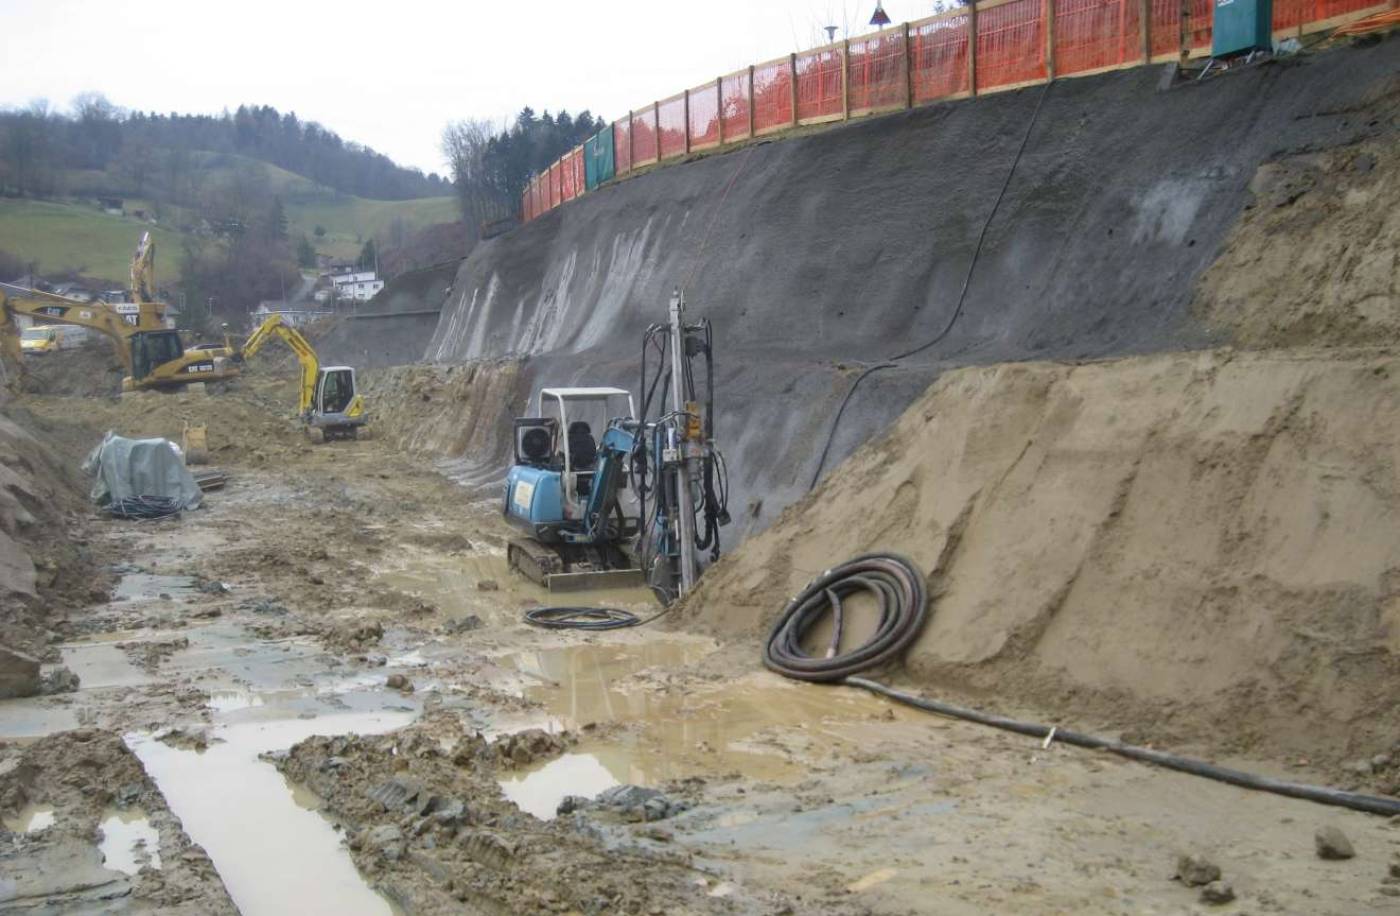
<point x="669" y="731"/>
<point x="274" y="852"/>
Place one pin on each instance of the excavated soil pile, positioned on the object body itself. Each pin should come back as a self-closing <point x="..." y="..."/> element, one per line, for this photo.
<point x="425" y="800"/>
<point x="41" y="498"/>
<point x="92" y="371"/>
<point x="1195" y="547"/>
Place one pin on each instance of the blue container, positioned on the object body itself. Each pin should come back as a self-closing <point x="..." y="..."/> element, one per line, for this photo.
<point x="1241" y="26"/>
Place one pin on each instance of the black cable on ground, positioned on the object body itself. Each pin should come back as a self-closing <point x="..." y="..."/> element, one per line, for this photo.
<point x="581" y="618"/>
<point x="962" y="294"/>
<point x="898" y="588"/>
<point x="144" y="508"/>
<point x="589" y="618"/>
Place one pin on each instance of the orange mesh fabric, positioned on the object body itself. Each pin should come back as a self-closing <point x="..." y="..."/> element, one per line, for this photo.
<point x="1010" y="44"/>
<point x="567" y="189"/>
<point x="704" y="116"/>
<point x="1166" y="27"/>
<point x="554" y="186"/>
<point x="1326" y="9"/>
<point x="938" y="54"/>
<point x="1093" y="34"/>
<point x="670" y="116"/>
<point x="1198" y="24"/>
<point x="622" y="145"/>
<point x="734" y="105"/>
<point x="877" y="75"/>
<point x="643" y="137"/>
<point x="819" y="89"/>
<point x="772" y="96"/>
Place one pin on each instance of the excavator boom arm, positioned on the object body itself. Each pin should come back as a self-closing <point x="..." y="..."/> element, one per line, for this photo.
<point x="47" y="307"/>
<point x="274" y="326"/>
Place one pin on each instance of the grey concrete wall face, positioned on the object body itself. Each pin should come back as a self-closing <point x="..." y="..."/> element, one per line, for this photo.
<point x="812" y="255"/>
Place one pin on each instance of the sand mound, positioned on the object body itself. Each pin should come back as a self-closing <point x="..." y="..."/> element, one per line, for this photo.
<point x="1194" y="547"/>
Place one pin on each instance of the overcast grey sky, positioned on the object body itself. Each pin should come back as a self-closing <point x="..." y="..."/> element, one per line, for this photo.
<point x="391" y="73"/>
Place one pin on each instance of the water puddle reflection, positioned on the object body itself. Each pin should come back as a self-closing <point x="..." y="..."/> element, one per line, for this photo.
<point x="129" y="842"/>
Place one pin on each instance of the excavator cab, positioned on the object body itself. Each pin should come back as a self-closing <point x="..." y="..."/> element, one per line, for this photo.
<point x="336" y="407"/>
<point x="150" y="349"/>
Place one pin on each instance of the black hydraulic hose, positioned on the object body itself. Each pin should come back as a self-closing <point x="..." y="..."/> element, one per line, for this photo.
<point x="899" y="591"/>
<point x="581" y="618"/>
<point x="1372" y="804"/>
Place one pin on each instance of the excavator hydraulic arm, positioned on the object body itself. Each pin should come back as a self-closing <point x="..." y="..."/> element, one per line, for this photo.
<point x="274" y="326"/>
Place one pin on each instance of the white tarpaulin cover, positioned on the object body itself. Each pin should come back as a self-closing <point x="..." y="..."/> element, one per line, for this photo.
<point x="127" y="468"/>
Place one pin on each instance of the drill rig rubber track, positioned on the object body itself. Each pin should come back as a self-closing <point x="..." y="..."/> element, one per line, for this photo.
<point x="545" y="566"/>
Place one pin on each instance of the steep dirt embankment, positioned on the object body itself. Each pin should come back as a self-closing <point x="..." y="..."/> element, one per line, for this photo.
<point x="394" y="327"/>
<point x="816" y="253"/>
<point x="1167" y="543"/>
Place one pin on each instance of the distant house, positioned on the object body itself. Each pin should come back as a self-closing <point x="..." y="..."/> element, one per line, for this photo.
<point x="292" y="314"/>
<point x="356" y="285"/>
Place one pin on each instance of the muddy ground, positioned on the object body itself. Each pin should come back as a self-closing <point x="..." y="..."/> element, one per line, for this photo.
<point x="316" y="694"/>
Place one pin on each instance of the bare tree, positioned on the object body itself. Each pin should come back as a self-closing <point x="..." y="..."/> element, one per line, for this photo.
<point x="464" y="145"/>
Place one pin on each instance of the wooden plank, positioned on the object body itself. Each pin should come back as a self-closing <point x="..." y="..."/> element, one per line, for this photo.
<point x="846" y="78"/>
<point x="1047" y="17"/>
<point x="719" y="107"/>
<point x="1145" y="29"/>
<point x="750" y="101"/>
<point x="792" y="85"/>
<point x="972" y="50"/>
<point x="687" y="121"/>
<point x="908" y="69"/>
<point x="821" y="119"/>
<point x="656" y="128"/>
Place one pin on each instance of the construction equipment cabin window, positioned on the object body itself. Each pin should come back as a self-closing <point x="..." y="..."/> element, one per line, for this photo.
<point x="335" y="392"/>
<point x="151" y="350"/>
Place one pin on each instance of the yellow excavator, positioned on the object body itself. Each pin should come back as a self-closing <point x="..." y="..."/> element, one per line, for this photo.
<point x="328" y="399"/>
<point x="153" y="355"/>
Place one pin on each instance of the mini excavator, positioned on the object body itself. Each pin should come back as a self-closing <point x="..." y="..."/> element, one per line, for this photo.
<point x="640" y="505"/>
<point x="328" y="399"/>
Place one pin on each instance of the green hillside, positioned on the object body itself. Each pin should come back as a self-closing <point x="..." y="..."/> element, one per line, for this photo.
<point x="75" y="234"/>
<point x="81" y="238"/>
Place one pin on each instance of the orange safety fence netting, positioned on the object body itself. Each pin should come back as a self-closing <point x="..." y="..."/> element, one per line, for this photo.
<point x="644" y="148"/>
<point x="877" y="74"/>
<point x="622" y="145"/>
<point x="772" y="96"/>
<point x="820" y="88"/>
<point x="554" y="191"/>
<point x="734" y="105"/>
<point x="1165" y="26"/>
<point x="704" y="115"/>
<point x="670" y="122"/>
<point x="1199" y="23"/>
<point x="1010" y="44"/>
<point x="1094" y="34"/>
<point x="567" y="191"/>
<point x="938" y="54"/>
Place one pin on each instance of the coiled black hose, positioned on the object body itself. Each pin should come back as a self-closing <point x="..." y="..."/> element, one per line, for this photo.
<point x="581" y="618"/>
<point x="898" y="588"/>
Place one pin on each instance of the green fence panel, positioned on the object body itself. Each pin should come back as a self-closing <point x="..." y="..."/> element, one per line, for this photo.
<point x="598" y="163"/>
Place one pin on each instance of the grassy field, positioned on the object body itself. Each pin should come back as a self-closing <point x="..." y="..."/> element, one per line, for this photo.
<point x="78" y="236"/>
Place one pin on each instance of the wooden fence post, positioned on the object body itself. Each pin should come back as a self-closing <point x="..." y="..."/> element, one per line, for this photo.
<point x="1145" y="29"/>
<point x="719" y="107"/>
<point x="845" y="79"/>
<point x="750" y="101"/>
<point x="972" y="49"/>
<point x="631" y="141"/>
<point x="687" y="122"/>
<point x="656" y="128"/>
<point x="908" y="69"/>
<point x="1049" y="17"/>
<point x="792" y="86"/>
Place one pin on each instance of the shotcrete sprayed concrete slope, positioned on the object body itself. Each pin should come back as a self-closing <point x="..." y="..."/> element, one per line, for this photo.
<point x="815" y="253"/>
